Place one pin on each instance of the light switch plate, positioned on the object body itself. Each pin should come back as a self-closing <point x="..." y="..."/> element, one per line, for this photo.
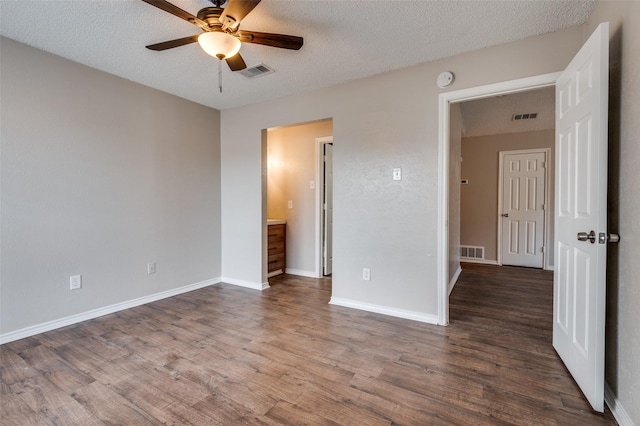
<point x="397" y="173"/>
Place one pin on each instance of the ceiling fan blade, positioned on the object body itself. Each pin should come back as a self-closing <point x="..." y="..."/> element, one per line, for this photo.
<point x="237" y="9"/>
<point x="275" y="40"/>
<point x="176" y="11"/>
<point x="173" y="43"/>
<point x="236" y="63"/>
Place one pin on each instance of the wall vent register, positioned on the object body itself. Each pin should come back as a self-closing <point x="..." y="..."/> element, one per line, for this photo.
<point x="471" y="252"/>
<point x="527" y="116"/>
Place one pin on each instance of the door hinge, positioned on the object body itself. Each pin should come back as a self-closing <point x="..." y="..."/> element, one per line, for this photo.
<point x="541" y="249"/>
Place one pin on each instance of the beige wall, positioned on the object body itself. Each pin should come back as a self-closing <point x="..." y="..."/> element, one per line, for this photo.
<point x="479" y="199"/>
<point x="292" y="164"/>
<point x="99" y="178"/>
<point x="277" y="181"/>
<point x="623" y="269"/>
<point x="455" y="153"/>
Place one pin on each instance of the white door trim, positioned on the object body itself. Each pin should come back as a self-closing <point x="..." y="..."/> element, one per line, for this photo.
<point x="445" y="99"/>
<point x="547" y="217"/>
<point x="319" y="196"/>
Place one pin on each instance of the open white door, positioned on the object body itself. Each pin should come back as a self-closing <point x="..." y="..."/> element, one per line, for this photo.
<point x="581" y="207"/>
<point x="327" y="208"/>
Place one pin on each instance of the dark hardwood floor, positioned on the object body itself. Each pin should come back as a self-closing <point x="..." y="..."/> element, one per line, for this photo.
<point x="228" y="355"/>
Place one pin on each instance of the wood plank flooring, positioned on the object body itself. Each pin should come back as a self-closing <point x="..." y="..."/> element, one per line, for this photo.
<point x="227" y="355"/>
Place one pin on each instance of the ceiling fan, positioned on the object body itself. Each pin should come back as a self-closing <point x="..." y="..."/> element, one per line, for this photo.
<point x="222" y="36"/>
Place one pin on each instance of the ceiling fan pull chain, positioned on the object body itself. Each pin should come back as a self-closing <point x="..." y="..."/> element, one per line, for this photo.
<point x="220" y="75"/>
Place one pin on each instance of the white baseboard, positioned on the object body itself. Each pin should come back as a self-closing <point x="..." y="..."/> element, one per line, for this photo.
<point x="454" y="279"/>
<point x="247" y="284"/>
<point x="385" y="310"/>
<point x="618" y="411"/>
<point x="301" y="273"/>
<point x="483" y="261"/>
<point x="95" y="313"/>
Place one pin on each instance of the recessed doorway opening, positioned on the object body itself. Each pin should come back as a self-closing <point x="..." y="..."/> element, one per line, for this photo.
<point x="294" y="193"/>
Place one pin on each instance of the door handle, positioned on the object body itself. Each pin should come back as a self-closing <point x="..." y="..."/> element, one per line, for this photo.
<point x="611" y="238"/>
<point x="583" y="236"/>
<point x="505" y="215"/>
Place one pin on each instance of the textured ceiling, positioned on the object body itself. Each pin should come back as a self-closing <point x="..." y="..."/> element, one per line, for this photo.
<point x="491" y="116"/>
<point x="343" y="40"/>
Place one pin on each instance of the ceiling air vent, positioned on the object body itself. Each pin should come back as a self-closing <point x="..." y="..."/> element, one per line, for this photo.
<point x="527" y="116"/>
<point x="256" y="71"/>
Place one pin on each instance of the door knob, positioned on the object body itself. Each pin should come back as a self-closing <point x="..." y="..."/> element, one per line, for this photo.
<point x="612" y="238"/>
<point x="505" y="215"/>
<point x="583" y="236"/>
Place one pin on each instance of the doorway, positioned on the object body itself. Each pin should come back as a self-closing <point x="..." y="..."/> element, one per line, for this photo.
<point x="293" y="190"/>
<point x="445" y="101"/>
<point x="489" y="128"/>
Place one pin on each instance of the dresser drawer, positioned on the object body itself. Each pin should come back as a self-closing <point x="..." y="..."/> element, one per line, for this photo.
<point x="276" y="261"/>
<point x="276" y="248"/>
<point x="275" y="231"/>
<point x="276" y="258"/>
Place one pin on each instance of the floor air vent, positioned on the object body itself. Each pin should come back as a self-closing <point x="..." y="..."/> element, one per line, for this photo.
<point x="470" y="252"/>
<point x="256" y="71"/>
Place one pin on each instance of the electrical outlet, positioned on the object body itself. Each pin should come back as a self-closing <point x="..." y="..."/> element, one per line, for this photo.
<point x="151" y="268"/>
<point x="75" y="282"/>
<point x="290" y="204"/>
<point x="366" y="274"/>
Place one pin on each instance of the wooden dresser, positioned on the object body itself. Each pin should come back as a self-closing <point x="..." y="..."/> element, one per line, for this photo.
<point x="277" y="246"/>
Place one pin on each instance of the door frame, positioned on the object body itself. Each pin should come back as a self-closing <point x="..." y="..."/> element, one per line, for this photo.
<point x="319" y="198"/>
<point x="546" y="217"/>
<point x="444" y="116"/>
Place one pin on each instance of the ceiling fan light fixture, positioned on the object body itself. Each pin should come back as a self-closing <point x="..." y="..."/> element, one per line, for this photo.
<point x="218" y="44"/>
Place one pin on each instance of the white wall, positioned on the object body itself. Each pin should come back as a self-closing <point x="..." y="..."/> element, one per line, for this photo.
<point x="382" y="122"/>
<point x="99" y="177"/>
<point x="622" y="369"/>
<point x="292" y="166"/>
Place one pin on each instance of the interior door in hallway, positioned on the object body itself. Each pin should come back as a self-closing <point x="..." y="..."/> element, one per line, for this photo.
<point x="523" y="183"/>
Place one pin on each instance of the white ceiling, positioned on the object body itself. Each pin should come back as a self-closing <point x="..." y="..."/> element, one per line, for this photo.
<point x="491" y="116"/>
<point x="343" y="40"/>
